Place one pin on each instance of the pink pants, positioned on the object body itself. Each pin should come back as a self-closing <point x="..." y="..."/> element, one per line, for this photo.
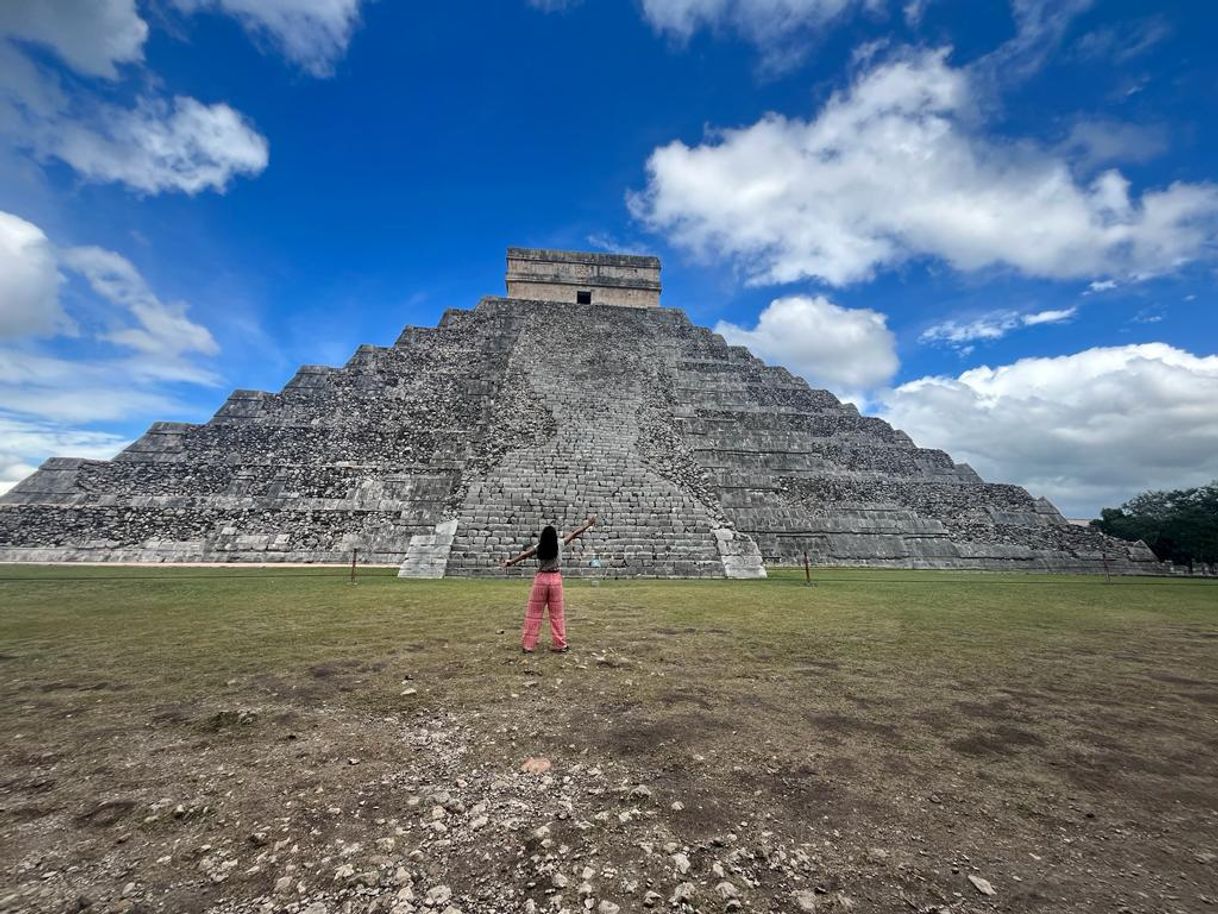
<point x="547" y="590"/>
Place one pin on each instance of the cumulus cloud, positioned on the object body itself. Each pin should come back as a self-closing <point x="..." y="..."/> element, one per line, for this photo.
<point x="897" y="167"/>
<point x="1088" y="429"/>
<point x="159" y="336"/>
<point x="313" y="34"/>
<point x="29" y="281"/>
<point x="119" y="369"/>
<point x="992" y="325"/>
<point x="848" y="350"/>
<point x="91" y="36"/>
<point x="157" y="144"/>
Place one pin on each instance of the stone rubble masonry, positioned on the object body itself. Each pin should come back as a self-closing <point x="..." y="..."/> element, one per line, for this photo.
<point x="447" y="452"/>
<point x="609" y="279"/>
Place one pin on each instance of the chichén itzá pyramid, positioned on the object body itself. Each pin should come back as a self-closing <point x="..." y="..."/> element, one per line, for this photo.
<point x="575" y="394"/>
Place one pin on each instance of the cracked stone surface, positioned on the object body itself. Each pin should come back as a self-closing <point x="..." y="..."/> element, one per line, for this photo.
<point x="700" y="461"/>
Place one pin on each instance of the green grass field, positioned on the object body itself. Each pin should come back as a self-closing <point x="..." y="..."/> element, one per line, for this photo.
<point x="984" y="715"/>
<point x="182" y="629"/>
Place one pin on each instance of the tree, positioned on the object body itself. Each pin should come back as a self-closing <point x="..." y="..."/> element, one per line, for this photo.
<point x="1180" y="525"/>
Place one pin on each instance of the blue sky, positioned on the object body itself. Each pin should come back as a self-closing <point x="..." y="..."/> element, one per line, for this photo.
<point x="993" y="223"/>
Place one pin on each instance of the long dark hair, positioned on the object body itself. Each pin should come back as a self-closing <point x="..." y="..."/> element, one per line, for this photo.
<point x="547" y="544"/>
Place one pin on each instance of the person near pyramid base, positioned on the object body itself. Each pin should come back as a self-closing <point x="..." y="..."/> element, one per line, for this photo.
<point x="546" y="592"/>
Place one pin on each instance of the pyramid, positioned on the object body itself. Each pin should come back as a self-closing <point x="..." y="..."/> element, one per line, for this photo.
<point x="576" y="394"/>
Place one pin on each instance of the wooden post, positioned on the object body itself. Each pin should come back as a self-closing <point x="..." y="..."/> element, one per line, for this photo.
<point x="807" y="570"/>
<point x="1107" y="576"/>
<point x="354" y="553"/>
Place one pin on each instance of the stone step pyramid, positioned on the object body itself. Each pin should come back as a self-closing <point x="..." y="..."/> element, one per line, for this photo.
<point x="449" y="450"/>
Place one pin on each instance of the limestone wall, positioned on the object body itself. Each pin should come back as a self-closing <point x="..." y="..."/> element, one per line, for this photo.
<point x="449" y="450"/>
<point x="600" y="294"/>
<point x="609" y="279"/>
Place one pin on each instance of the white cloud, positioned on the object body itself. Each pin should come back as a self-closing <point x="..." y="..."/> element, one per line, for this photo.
<point x="1052" y="316"/>
<point x="1088" y="429"/>
<point x="992" y="325"/>
<point x="780" y="28"/>
<point x="896" y="167"/>
<point x="43" y="392"/>
<point x="913" y="11"/>
<point x="29" y="281"/>
<point x="1094" y="142"/>
<point x="24" y="444"/>
<point x="1124" y="41"/>
<point x="848" y="350"/>
<point x="26" y="91"/>
<point x="54" y="389"/>
<point x="1101" y="285"/>
<point x="784" y="30"/>
<point x="1151" y="315"/>
<point x="313" y="34"/>
<point x="90" y="36"/>
<point x="1040" y="26"/>
<point x="160" y="332"/>
<point x="759" y="20"/>
<point x="157" y="146"/>
<point x="164" y="329"/>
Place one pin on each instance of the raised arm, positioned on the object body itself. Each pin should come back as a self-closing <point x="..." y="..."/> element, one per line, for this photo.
<point x="531" y="551"/>
<point x="576" y="534"/>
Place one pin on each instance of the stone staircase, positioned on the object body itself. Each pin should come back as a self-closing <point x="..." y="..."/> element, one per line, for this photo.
<point x="427" y="555"/>
<point x="589" y="376"/>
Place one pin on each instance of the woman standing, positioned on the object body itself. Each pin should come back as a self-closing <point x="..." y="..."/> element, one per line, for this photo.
<point x="547" y="588"/>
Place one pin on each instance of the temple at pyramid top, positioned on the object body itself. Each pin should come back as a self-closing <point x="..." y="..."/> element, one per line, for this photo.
<point x="583" y="278"/>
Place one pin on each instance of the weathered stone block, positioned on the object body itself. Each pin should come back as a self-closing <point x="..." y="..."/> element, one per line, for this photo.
<point x="451" y="449"/>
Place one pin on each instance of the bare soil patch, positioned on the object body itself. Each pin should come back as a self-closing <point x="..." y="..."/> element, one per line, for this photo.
<point x="312" y="747"/>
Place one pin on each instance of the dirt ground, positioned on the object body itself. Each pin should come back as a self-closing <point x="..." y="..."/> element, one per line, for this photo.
<point x="879" y="742"/>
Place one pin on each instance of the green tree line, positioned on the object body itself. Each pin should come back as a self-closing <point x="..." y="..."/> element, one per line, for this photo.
<point x="1179" y="526"/>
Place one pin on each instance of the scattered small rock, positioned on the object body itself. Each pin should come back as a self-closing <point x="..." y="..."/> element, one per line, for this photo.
<point x="982" y="885"/>
<point x="805" y="899"/>
<point x="438" y="895"/>
<point x="682" y="894"/>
